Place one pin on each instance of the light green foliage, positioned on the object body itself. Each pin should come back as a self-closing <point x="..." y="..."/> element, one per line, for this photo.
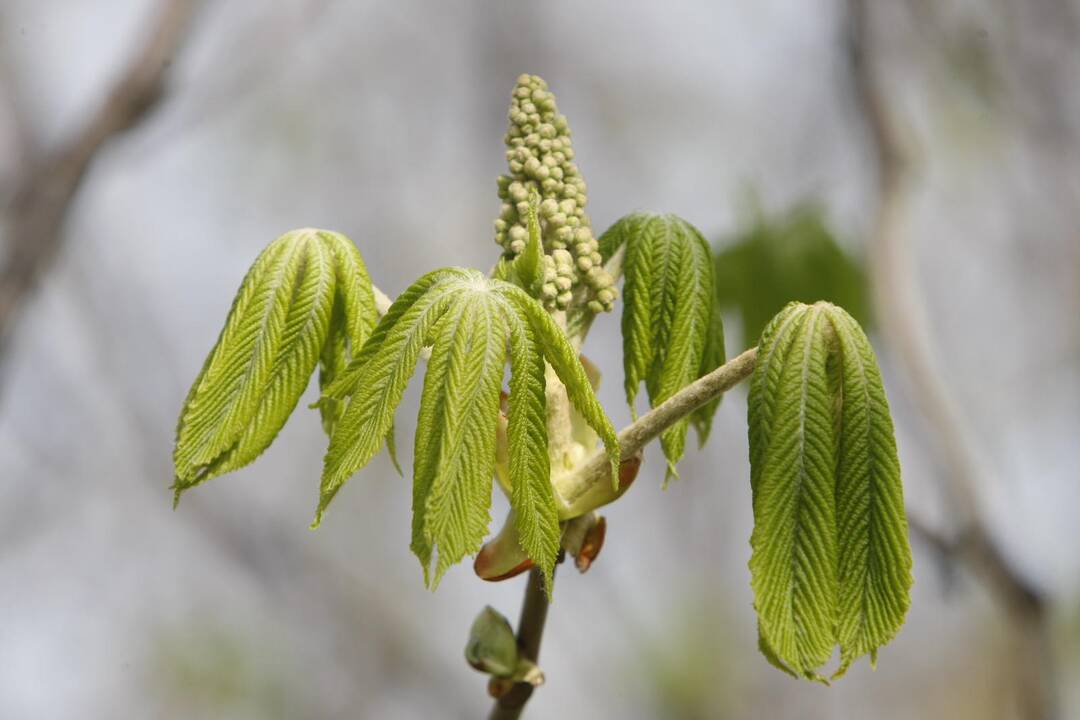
<point x="713" y="357"/>
<point x="875" y="560"/>
<point x="470" y="322"/>
<point x="672" y="333"/>
<point x="528" y="266"/>
<point x="306" y="298"/>
<point x="353" y="318"/>
<point x="532" y="495"/>
<point x="831" y="562"/>
<point x="791" y="257"/>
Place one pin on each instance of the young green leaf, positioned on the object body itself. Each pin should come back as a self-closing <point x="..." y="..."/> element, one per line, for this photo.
<point x="470" y="322"/>
<point x="352" y="320"/>
<point x="344" y="384"/>
<point x="531" y="496"/>
<point x="875" y="558"/>
<point x="671" y="330"/>
<point x="761" y="402"/>
<point x="379" y="375"/>
<point x="527" y="265"/>
<point x="564" y="360"/>
<point x="793" y="566"/>
<point x="713" y="357"/>
<point x="452" y="499"/>
<point x="263" y="359"/>
<point x="831" y="562"/>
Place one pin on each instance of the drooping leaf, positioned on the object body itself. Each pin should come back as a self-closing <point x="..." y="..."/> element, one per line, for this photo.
<point x="560" y="354"/>
<point x="793" y="566"/>
<point x="531" y="495"/>
<point x="470" y="322"/>
<point x="713" y="357"/>
<point x="671" y="332"/>
<point x="263" y="360"/>
<point x="332" y="362"/>
<point x="772" y="353"/>
<point x="344" y="385"/>
<point x="831" y="562"/>
<point x="875" y="558"/>
<point x="379" y="375"/>
<point x="353" y="318"/>
<point x="430" y="431"/>
<point x="456" y="497"/>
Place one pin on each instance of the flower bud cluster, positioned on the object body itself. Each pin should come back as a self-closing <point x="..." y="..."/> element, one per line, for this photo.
<point x="541" y="157"/>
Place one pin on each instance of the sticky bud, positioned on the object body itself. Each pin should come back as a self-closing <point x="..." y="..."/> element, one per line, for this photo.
<point x="502" y="558"/>
<point x="583" y="539"/>
<point x="492" y="647"/>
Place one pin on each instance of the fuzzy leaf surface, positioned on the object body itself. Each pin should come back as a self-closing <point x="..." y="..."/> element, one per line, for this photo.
<point x="671" y="330"/>
<point x="262" y="361"/>
<point x="471" y="324"/>
<point x="794" y="560"/>
<point x="560" y="354"/>
<point x="379" y="375"/>
<point x="831" y="564"/>
<point x="875" y="557"/>
<point x="531" y="496"/>
<point x="353" y="318"/>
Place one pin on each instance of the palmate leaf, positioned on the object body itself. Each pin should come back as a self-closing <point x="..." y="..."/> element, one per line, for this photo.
<point x="672" y="332"/>
<point x="713" y="357"/>
<point x="290" y="311"/>
<point x="875" y="559"/>
<point x="531" y="493"/>
<point x="353" y="318"/>
<point x="452" y="489"/>
<point x="379" y="376"/>
<point x="567" y="365"/>
<point x="793" y="567"/>
<point x="471" y="323"/>
<point x="831" y="563"/>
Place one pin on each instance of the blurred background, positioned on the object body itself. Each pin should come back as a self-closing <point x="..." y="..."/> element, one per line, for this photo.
<point x="916" y="161"/>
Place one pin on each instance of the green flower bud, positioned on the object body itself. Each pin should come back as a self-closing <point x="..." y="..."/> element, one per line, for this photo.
<point x="540" y="156"/>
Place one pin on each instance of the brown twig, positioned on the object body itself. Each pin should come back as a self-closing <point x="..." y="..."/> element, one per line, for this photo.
<point x="903" y="319"/>
<point x="43" y="196"/>
<point x="530" y="632"/>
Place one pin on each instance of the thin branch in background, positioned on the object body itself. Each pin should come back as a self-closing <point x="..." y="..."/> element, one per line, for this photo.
<point x="20" y="142"/>
<point x="43" y="196"/>
<point x="903" y="320"/>
<point x="268" y="49"/>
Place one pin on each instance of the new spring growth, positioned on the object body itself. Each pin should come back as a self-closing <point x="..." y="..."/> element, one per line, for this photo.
<point x="541" y="158"/>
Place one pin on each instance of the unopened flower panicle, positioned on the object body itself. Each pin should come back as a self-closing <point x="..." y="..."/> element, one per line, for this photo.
<point x="541" y="157"/>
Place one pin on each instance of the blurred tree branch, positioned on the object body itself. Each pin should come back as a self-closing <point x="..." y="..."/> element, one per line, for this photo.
<point x="50" y="179"/>
<point x="903" y="320"/>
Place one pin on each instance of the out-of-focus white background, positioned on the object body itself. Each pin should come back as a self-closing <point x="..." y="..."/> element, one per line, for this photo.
<point x="384" y="121"/>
